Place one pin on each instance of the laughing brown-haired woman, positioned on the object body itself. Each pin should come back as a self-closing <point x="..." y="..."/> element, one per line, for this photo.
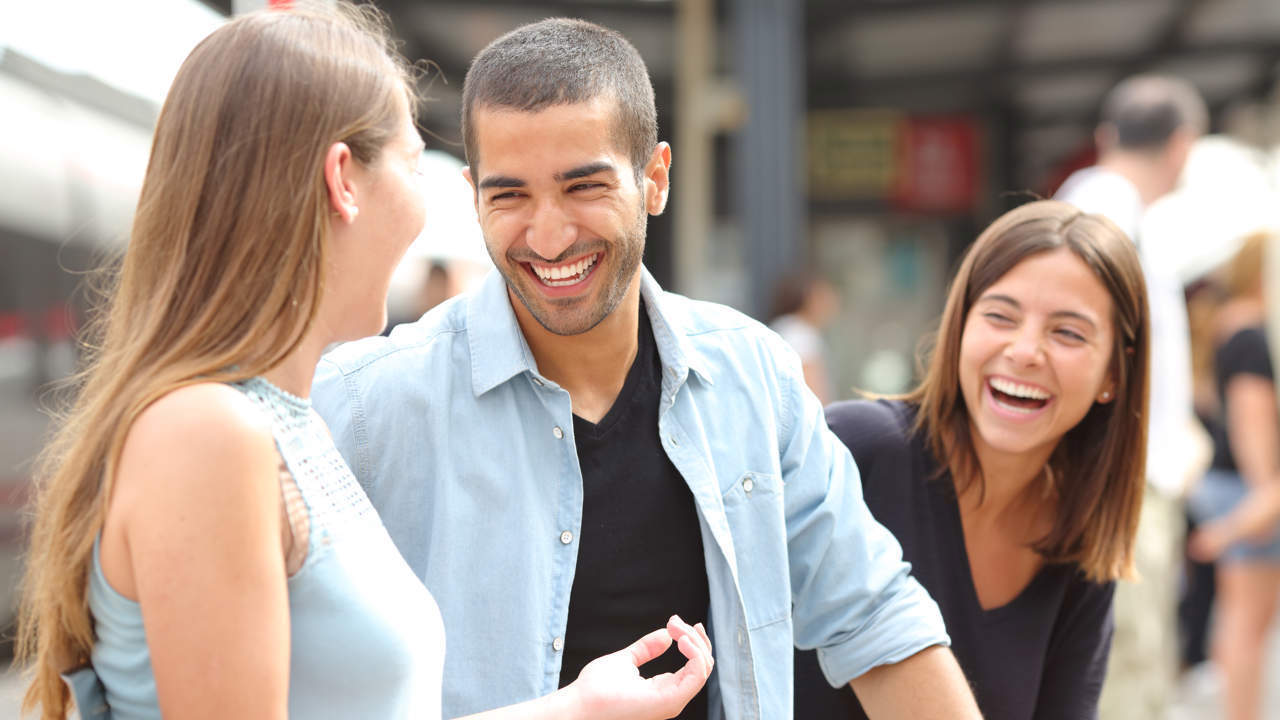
<point x="1013" y="474"/>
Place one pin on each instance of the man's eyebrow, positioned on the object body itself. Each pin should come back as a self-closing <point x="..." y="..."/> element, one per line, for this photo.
<point x="500" y="181"/>
<point x="585" y="171"/>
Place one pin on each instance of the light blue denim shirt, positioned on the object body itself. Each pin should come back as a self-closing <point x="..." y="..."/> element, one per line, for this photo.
<point x="468" y="453"/>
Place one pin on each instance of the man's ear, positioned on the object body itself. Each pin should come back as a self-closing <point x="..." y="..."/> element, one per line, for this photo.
<point x="475" y="192"/>
<point x="338" y="179"/>
<point x="657" y="179"/>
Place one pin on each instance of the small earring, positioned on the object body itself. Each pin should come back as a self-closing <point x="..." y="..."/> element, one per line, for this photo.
<point x="1106" y="395"/>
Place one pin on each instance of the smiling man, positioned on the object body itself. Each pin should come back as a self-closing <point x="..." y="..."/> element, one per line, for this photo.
<point x="570" y="454"/>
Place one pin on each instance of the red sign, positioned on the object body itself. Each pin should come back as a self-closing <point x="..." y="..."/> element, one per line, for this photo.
<point x="938" y="165"/>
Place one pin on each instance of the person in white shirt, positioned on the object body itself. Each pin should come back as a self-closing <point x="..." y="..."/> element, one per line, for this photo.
<point x="803" y="305"/>
<point x="1148" y="125"/>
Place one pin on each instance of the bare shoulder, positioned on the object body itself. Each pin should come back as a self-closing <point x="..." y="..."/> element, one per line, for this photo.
<point x="198" y="442"/>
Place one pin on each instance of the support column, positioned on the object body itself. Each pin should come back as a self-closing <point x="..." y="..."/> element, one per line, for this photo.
<point x="770" y="192"/>
<point x="691" y="156"/>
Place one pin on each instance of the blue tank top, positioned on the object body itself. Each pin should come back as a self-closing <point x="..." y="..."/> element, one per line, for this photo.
<point x="366" y="640"/>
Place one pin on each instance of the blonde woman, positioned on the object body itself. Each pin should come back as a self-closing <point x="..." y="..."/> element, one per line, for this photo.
<point x="1235" y="503"/>
<point x="199" y="544"/>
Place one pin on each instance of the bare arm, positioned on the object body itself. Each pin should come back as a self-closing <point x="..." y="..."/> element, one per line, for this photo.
<point x="610" y="687"/>
<point x="926" y="686"/>
<point x="815" y="376"/>
<point x="193" y="534"/>
<point x="1253" y="431"/>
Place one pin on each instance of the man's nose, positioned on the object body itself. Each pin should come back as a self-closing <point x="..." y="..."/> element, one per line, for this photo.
<point x="551" y="230"/>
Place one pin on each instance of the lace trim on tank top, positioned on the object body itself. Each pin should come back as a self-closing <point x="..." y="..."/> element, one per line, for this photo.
<point x="295" y="527"/>
<point x="319" y="496"/>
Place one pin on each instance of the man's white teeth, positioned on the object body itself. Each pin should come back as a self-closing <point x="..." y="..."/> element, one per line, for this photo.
<point x="1008" y="387"/>
<point x="564" y="274"/>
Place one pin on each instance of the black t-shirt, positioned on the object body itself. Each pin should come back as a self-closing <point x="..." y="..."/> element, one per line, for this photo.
<point x="1042" y="656"/>
<point x="640" y="552"/>
<point x="1244" y="353"/>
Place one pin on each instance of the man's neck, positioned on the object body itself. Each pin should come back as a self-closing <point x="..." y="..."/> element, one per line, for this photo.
<point x="593" y="365"/>
<point x="1138" y="170"/>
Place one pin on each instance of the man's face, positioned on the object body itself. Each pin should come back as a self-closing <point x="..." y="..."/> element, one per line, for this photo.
<point x="561" y="212"/>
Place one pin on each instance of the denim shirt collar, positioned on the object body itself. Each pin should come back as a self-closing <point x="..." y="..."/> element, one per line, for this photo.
<point x="499" y="351"/>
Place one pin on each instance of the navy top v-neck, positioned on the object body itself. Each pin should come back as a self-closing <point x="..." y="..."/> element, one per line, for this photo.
<point x="1043" y="655"/>
<point x="640" y="559"/>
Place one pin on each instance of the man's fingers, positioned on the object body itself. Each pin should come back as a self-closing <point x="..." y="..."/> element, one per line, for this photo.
<point x="649" y="647"/>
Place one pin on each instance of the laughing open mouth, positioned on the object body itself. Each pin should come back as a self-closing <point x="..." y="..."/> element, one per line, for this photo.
<point x="1017" y="397"/>
<point x="566" y="274"/>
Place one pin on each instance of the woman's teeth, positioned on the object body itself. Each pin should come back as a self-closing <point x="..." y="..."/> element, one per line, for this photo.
<point x="1017" y="397"/>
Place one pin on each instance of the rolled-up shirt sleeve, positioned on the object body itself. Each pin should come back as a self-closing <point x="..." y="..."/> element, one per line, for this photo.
<point x="853" y="596"/>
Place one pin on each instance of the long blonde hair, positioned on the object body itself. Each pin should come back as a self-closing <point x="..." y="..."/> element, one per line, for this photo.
<point x="222" y="276"/>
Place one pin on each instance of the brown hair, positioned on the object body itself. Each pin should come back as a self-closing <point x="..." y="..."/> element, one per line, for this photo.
<point x="1097" y="469"/>
<point x="222" y="276"/>
<point x="560" y="61"/>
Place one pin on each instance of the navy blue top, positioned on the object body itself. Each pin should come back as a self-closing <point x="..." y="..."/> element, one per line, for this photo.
<point x="1244" y="353"/>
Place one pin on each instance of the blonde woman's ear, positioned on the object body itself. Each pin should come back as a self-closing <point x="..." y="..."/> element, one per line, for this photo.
<point x="342" y="195"/>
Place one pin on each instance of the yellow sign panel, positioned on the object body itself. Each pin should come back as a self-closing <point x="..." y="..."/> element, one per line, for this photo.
<point x="853" y="153"/>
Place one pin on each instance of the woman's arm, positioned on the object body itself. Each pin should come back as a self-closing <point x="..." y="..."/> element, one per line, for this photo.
<point x="1253" y="432"/>
<point x="193" y="535"/>
<point x="611" y="688"/>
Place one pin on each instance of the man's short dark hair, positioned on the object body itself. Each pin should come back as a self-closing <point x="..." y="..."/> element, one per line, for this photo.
<point x="561" y="61"/>
<point x="1146" y="110"/>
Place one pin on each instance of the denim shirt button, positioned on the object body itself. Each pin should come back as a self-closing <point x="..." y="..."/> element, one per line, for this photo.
<point x="748" y="484"/>
<point x="566" y="537"/>
<point x="557" y="432"/>
<point x="557" y="644"/>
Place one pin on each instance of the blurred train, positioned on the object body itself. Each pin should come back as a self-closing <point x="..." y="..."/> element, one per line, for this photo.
<point x="71" y="165"/>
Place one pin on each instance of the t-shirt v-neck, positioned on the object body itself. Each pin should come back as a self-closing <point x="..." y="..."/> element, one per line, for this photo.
<point x="640" y="555"/>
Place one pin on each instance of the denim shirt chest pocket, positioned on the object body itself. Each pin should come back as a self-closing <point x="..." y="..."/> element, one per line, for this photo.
<point x="755" y="512"/>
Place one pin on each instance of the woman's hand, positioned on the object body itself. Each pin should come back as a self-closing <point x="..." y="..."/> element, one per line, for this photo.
<point x="611" y="688"/>
<point x="1254" y="519"/>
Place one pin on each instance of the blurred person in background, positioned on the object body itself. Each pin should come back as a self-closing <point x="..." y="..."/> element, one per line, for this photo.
<point x="804" y="305"/>
<point x="628" y="448"/>
<point x="1148" y="124"/>
<point x="437" y="285"/>
<point x="1195" y="604"/>
<point x="1234" y="502"/>
<point x="199" y="543"/>
<point x="1013" y="474"/>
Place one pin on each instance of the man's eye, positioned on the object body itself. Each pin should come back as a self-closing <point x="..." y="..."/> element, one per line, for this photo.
<point x="586" y="186"/>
